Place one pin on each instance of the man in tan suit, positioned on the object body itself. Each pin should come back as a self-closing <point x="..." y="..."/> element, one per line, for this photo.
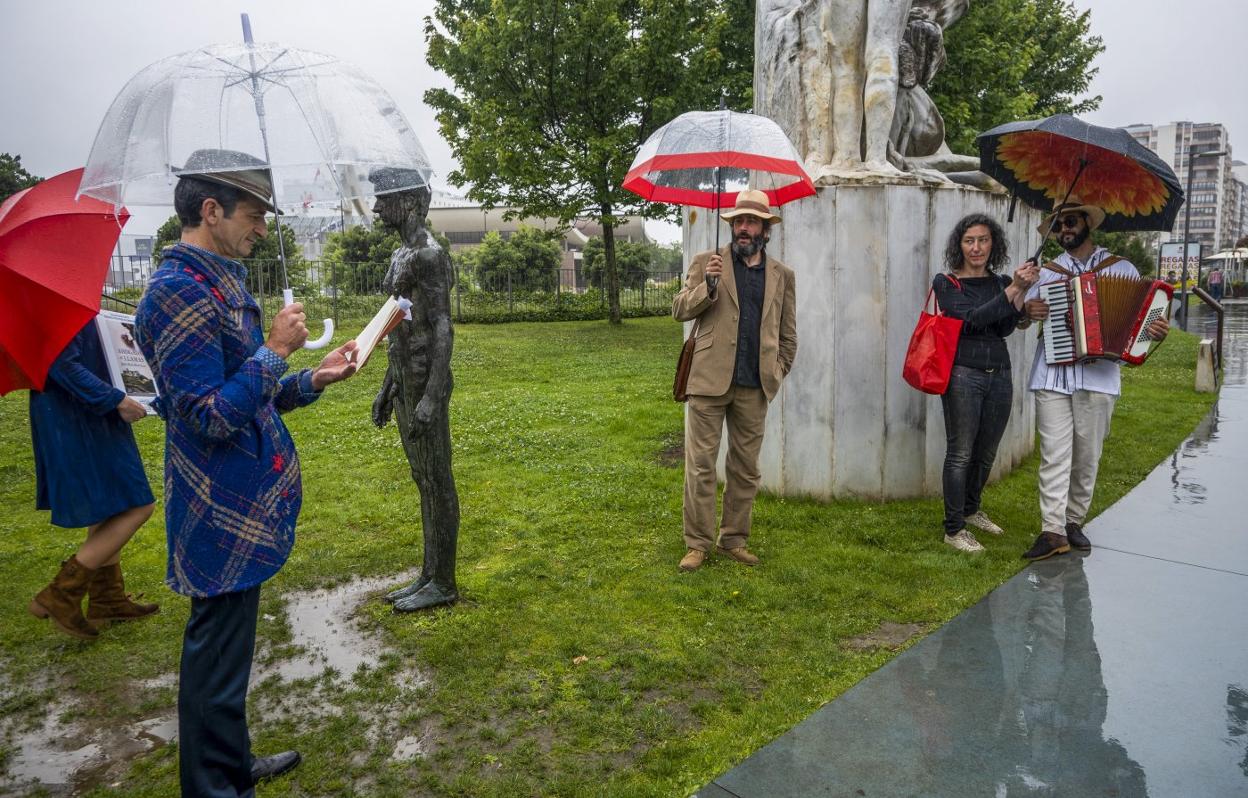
<point x="746" y="341"/>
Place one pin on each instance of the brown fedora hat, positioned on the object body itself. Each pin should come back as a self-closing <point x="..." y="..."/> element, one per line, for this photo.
<point x="753" y="202"/>
<point x="1095" y="216"/>
<point x="239" y="170"/>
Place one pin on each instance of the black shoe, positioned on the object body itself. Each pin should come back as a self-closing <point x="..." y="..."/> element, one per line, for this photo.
<point x="269" y="767"/>
<point x="1078" y="540"/>
<point x="1046" y="545"/>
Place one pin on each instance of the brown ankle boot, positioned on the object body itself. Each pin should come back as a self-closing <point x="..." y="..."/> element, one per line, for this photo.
<point x="61" y="600"/>
<point x="108" y="600"/>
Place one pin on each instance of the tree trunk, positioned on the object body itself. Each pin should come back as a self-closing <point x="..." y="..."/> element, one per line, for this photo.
<point x="613" y="279"/>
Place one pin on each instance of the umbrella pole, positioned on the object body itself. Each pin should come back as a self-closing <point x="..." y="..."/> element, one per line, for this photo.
<point x="258" y="97"/>
<point x="1083" y="163"/>
<point x="711" y="282"/>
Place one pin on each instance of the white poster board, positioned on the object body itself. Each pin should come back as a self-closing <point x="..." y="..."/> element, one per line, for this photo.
<point x="126" y="366"/>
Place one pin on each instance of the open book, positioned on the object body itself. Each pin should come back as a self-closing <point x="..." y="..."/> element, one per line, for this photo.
<point x="391" y="313"/>
<point x="126" y="365"/>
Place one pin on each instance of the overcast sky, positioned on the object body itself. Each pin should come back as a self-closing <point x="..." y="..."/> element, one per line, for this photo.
<point x="63" y="61"/>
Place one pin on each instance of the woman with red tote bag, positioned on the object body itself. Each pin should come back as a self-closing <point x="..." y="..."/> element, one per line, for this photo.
<point x="977" y="400"/>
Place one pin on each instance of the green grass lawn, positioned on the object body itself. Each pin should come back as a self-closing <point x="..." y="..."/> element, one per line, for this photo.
<point x="579" y="661"/>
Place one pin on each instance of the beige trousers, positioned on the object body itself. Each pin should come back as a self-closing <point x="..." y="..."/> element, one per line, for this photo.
<point x="745" y="411"/>
<point x="1073" y="429"/>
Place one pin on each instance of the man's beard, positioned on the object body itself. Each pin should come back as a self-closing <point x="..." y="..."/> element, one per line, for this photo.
<point x="751" y="249"/>
<point x="1076" y="242"/>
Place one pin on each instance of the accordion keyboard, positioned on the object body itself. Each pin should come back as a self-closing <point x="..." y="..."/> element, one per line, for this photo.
<point x="1059" y="339"/>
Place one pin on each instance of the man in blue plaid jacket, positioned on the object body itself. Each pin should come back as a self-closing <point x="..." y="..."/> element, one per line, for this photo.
<point x="232" y="486"/>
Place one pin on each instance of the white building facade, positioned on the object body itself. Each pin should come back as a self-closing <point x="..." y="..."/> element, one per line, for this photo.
<point x="1217" y="194"/>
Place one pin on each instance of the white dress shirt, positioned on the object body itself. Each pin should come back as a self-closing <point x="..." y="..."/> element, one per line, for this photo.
<point x="1101" y="376"/>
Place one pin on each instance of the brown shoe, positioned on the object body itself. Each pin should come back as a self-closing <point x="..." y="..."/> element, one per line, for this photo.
<point x="107" y="599"/>
<point x="692" y="560"/>
<point x="741" y="554"/>
<point x="1047" y="545"/>
<point x="61" y="600"/>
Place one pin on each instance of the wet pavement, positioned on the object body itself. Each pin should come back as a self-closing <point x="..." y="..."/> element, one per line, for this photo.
<point x="1119" y="673"/>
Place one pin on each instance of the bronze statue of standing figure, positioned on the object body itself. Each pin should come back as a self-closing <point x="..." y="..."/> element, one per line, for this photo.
<point x="417" y="385"/>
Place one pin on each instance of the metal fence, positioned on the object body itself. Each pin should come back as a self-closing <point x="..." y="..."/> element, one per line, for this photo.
<point x="352" y="292"/>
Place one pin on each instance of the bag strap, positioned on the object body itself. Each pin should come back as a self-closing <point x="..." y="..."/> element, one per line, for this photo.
<point x="931" y="294"/>
<point x="1105" y="264"/>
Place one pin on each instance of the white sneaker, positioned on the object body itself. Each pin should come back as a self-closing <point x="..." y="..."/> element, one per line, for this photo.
<point x="982" y="522"/>
<point x="964" y="541"/>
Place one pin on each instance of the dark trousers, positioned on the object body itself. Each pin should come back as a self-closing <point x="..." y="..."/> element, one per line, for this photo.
<point x="214" y="749"/>
<point x="977" y="407"/>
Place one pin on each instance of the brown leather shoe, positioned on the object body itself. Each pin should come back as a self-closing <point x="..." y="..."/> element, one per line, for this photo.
<point x="741" y="554"/>
<point x="107" y="599"/>
<point x="692" y="560"/>
<point x="1047" y="545"/>
<point x="61" y="600"/>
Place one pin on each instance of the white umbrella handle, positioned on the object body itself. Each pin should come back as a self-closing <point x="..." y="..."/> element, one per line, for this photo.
<point x="288" y="298"/>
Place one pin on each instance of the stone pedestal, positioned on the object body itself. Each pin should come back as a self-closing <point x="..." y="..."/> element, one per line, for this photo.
<point x="845" y="424"/>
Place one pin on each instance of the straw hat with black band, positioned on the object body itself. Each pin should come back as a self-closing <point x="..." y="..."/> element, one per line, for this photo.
<point x="235" y="169"/>
<point x="1092" y="213"/>
<point x="754" y="203"/>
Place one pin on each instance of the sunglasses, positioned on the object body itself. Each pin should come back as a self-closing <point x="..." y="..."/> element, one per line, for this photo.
<point x="1071" y="222"/>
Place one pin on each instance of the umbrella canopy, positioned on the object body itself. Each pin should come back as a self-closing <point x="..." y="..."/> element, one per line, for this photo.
<point x="54" y="256"/>
<point x="1230" y="254"/>
<point x="324" y="124"/>
<point x="1044" y="161"/>
<point x="705" y="158"/>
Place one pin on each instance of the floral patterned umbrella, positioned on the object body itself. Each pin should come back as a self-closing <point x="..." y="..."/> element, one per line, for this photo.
<point x="1042" y="161"/>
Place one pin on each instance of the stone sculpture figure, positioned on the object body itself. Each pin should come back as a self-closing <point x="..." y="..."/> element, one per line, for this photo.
<point x="417" y="385"/>
<point x="829" y="72"/>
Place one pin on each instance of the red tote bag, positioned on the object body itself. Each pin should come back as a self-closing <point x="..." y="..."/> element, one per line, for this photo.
<point x="929" y="360"/>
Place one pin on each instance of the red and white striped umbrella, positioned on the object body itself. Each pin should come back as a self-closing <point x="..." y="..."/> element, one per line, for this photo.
<point x="705" y="158"/>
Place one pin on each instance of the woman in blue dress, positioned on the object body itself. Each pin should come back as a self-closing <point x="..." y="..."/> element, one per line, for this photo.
<point x="88" y="473"/>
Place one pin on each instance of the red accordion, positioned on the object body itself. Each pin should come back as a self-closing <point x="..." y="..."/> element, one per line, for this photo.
<point x="1102" y="316"/>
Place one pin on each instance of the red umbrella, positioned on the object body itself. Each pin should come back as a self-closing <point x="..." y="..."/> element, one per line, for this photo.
<point x="54" y="256"/>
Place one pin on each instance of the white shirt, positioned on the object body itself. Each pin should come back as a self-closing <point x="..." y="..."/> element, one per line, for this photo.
<point x="1100" y="376"/>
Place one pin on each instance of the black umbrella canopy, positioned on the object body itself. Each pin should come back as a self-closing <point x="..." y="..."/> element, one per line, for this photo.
<point x="1046" y="161"/>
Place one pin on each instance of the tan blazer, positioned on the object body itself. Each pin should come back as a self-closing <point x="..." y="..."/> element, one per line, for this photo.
<point x="715" y="353"/>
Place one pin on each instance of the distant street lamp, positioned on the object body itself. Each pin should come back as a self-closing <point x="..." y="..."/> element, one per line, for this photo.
<point x="1192" y="155"/>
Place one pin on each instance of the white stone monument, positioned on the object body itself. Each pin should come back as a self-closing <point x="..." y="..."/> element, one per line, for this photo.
<point x="865" y="250"/>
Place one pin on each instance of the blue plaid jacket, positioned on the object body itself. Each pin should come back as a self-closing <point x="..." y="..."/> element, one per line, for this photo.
<point x="232" y="487"/>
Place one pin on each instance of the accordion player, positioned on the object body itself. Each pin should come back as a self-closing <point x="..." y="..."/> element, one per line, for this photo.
<point x="1102" y="316"/>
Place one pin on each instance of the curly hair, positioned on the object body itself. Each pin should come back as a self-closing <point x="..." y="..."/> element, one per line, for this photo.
<point x="1000" y="254"/>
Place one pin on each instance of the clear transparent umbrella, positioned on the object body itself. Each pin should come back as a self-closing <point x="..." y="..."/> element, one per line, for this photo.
<point x="320" y="124"/>
<point x="327" y="124"/>
<point x="706" y="158"/>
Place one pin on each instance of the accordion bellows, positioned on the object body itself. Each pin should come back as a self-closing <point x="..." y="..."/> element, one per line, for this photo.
<point x="1102" y="316"/>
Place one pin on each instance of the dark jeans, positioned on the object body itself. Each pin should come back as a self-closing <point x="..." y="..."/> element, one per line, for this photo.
<point x="977" y="407"/>
<point x="214" y="749"/>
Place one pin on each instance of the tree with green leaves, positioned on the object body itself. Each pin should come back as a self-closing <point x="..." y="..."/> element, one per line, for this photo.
<point x="264" y="266"/>
<point x="1011" y="60"/>
<point x="13" y="177"/>
<point x="360" y="255"/>
<point x="636" y="261"/>
<point x="1131" y="246"/>
<point x="167" y="235"/>
<point x="632" y="263"/>
<point x="553" y="98"/>
<point x="528" y="260"/>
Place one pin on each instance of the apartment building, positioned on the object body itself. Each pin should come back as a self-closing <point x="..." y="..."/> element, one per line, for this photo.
<point x="1217" y="219"/>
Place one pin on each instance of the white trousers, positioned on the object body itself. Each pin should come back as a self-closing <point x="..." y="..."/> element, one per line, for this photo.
<point x="1073" y="429"/>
